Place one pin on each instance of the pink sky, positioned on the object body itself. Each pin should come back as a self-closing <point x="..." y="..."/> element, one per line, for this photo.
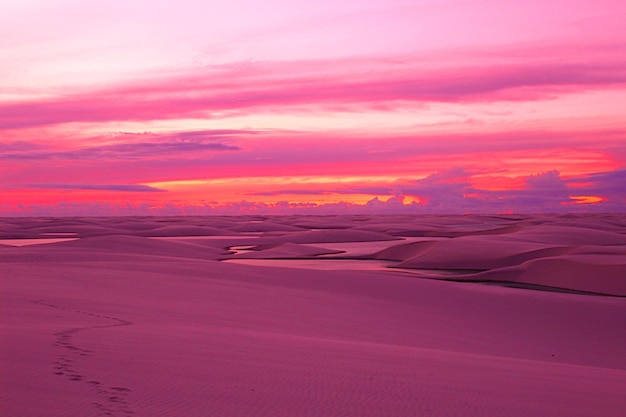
<point x="227" y="107"/>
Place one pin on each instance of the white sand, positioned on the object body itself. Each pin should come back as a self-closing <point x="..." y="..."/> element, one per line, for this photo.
<point x="122" y="325"/>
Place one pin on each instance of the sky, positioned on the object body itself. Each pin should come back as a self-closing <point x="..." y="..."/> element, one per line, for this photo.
<point x="294" y="106"/>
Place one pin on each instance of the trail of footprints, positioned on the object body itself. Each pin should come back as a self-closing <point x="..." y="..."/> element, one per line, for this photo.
<point x="113" y="401"/>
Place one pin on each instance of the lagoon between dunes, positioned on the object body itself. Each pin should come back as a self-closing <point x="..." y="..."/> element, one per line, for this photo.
<point x="361" y="315"/>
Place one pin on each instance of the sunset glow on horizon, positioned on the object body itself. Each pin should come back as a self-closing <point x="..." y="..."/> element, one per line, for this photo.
<point x="230" y="107"/>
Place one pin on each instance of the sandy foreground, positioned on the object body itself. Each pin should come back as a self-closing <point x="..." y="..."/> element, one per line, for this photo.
<point x="147" y="317"/>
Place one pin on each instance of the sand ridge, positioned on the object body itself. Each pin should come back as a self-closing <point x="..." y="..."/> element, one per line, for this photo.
<point x="120" y="323"/>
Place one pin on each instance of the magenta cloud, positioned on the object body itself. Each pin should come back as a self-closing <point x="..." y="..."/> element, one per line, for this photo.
<point x="611" y="185"/>
<point x="159" y="148"/>
<point x="450" y="191"/>
<point x="132" y="188"/>
<point x="326" y="83"/>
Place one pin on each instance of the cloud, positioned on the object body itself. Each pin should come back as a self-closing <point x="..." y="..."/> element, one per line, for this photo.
<point x="543" y="192"/>
<point x="293" y="192"/>
<point x="203" y="93"/>
<point x="447" y="191"/>
<point x="143" y="149"/>
<point x="200" y="136"/>
<point x="18" y="147"/>
<point x="134" y="188"/>
<point x="452" y="191"/>
<point x="610" y="185"/>
<point x="148" y="146"/>
<point x="546" y="181"/>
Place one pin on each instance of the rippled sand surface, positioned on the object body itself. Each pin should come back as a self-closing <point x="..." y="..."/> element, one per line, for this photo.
<point x="119" y="323"/>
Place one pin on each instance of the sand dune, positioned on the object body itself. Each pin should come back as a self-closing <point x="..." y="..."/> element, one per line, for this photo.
<point x="110" y="247"/>
<point x="261" y="226"/>
<point x="182" y="230"/>
<point x="284" y="250"/>
<point x="466" y="253"/>
<point x="601" y="275"/>
<point x="565" y="235"/>
<point x="123" y="325"/>
<point x="139" y="245"/>
<point x="335" y="235"/>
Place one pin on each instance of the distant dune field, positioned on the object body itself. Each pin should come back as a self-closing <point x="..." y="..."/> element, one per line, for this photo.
<point x="314" y="316"/>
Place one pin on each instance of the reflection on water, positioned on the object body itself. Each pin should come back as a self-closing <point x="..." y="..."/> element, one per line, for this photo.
<point x="236" y="250"/>
<point x="323" y="264"/>
<point x="334" y="264"/>
<point x="211" y="237"/>
<point x="59" y="234"/>
<point x="347" y="249"/>
<point x="338" y="261"/>
<point x="361" y="248"/>
<point x="35" y="241"/>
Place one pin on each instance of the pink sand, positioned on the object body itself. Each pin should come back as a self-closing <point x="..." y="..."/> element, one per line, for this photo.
<point x="117" y="324"/>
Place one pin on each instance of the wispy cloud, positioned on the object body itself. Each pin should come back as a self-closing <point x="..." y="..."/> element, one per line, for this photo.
<point x="293" y="192"/>
<point x="323" y="83"/>
<point x="127" y="146"/>
<point x="132" y="188"/>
